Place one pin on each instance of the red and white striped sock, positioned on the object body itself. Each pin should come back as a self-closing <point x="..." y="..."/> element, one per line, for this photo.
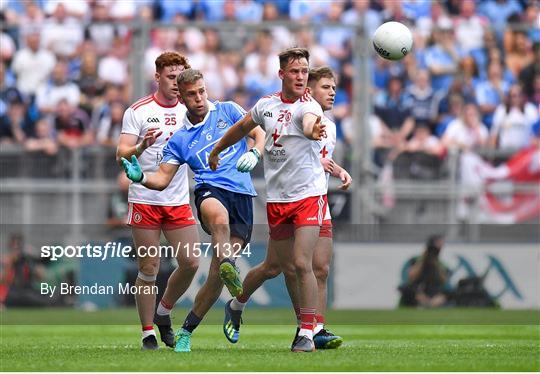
<point x="147" y="331"/>
<point x="307" y="322"/>
<point x="163" y="308"/>
<point x="320" y="323"/>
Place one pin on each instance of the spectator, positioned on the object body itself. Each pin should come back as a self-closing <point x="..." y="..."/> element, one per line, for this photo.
<point x="8" y="92"/>
<point x="90" y="85"/>
<point x="58" y="88"/>
<point x="261" y="66"/>
<point x="283" y="37"/>
<point x="100" y="29"/>
<point x="360" y="12"/>
<point x="519" y="54"/>
<point x="466" y="132"/>
<point x="427" y="279"/>
<point x="481" y="54"/>
<point x="248" y="11"/>
<point x="529" y="73"/>
<point x="307" y="10"/>
<point x="442" y="58"/>
<point x="422" y="99"/>
<point x="7" y="47"/>
<point x="62" y="34"/>
<point x="498" y="12"/>
<point x="420" y="157"/>
<point x="335" y="39"/>
<point x="73" y="8"/>
<point x="425" y="25"/>
<point x="454" y="109"/>
<point x="15" y="125"/>
<point x="113" y="68"/>
<point x="43" y="139"/>
<point x="393" y="108"/>
<point x="110" y="125"/>
<point x="72" y="126"/>
<point x="513" y="120"/>
<point x="317" y="54"/>
<point x="169" y="9"/>
<point x="469" y="27"/>
<point x="211" y="10"/>
<point x="32" y="64"/>
<point x="491" y="92"/>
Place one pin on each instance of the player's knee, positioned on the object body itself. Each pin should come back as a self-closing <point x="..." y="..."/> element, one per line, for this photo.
<point x="220" y="222"/>
<point x="301" y="267"/>
<point x="321" y="271"/>
<point x="190" y="264"/>
<point x="148" y="270"/>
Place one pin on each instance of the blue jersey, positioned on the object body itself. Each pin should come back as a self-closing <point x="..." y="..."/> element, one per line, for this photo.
<point x="192" y="145"/>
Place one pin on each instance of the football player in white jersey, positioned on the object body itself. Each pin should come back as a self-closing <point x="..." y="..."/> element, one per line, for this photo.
<point x="322" y="87"/>
<point x="147" y="126"/>
<point x="295" y="178"/>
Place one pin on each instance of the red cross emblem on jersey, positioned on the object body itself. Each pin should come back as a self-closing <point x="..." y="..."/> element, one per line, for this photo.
<point x="276" y="136"/>
<point x="323" y="152"/>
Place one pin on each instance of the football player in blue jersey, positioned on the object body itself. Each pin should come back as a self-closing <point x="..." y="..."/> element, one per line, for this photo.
<point x="223" y="198"/>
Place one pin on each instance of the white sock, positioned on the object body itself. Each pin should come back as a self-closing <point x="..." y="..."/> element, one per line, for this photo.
<point x="318" y="328"/>
<point x="162" y="311"/>
<point x="307" y="333"/>
<point x="147" y="333"/>
<point x="237" y="305"/>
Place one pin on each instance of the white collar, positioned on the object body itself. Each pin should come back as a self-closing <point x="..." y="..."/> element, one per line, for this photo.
<point x="189" y="125"/>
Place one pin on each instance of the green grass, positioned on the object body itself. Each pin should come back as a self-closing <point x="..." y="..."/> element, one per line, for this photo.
<point x="392" y="341"/>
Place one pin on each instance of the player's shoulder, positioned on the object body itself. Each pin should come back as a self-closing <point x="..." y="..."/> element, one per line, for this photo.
<point x="231" y="105"/>
<point x="142" y="102"/>
<point x="306" y="98"/>
<point x="274" y="97"/>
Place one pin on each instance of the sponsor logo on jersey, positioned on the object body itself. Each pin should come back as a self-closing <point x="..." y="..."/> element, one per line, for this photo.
<point x="267" y="114"/>
<point x="152" y="120"/>
<point x="206" y="193"/>
<point x="221" y="124"/>
<point x="311" y="219"/>
<point x="204" y="153"/>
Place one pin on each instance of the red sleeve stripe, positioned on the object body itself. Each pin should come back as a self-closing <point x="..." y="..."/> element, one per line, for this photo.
<point x="142" y="101"/>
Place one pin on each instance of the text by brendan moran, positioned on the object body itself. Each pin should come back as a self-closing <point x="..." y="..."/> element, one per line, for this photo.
<point x="97" y="289"/>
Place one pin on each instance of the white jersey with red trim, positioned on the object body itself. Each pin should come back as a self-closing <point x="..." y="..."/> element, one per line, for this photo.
<point x="328" y="144"/>
<point x="144" y="114"/>
<point x="292" y="167"/>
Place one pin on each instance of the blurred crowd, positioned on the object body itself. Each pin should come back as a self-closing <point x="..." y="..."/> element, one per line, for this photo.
<point x="472" y="81"/>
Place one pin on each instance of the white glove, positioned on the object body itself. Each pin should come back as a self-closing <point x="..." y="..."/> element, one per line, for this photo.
<point x="248" y="161"/>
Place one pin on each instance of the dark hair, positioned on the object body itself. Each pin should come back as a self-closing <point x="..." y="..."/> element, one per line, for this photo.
<point x="316" y="74"/>
<point x="171" y="59"/>
<point x="508" y="100"/>
<point x="292" y="54"/>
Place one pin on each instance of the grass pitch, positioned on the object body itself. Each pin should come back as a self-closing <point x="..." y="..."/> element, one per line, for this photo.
<point x="401" y="340"/>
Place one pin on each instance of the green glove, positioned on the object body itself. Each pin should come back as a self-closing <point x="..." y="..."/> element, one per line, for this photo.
<point x="133" y="169"/>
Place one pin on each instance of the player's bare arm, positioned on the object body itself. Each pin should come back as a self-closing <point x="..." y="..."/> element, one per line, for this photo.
<point x="312" y="126"/>
<point x="258" y="135"/>
<point x="238" y="131"/>
<point x="127" y="144"/>
<point x="155" y="181"/>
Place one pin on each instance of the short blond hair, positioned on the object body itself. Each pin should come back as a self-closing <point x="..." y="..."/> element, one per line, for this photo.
<point x="189" y="76"/>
